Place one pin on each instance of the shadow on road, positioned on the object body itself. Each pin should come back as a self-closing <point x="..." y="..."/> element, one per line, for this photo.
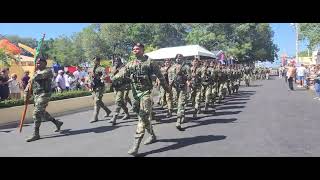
<point x="210" y="121"/>
<point x="234" y="103"/>
<point x="229" y="107"/>
<point x="183" y="142"/>
<point x="70" y="132"/>
<point x="299" y="89"/>
<point x="256" y="85"/>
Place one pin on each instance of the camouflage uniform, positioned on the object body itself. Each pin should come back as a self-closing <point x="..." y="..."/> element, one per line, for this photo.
<point x="121" y="89"/>
<point x="222" y="80"/>
<point x="41" y="88"/>
<point x="206" y="82"/>
<point x="178" y="75"/>
<point x="196" y="89"/>
<point x="246" y="76"/>
<point x="229" y="80"/>
<point x="140" y="72"/>
<point x="214" y="85"/>
<point x="166" y="96"/>
<point x="98" y="89"/>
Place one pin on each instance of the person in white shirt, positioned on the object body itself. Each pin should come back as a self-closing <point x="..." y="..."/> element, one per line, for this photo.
<point x="301" y="71"/>
<point x="14" y="87"/>
<point x="61" y="82"/>
<point x="66" y="76"/>
<point x="76" y="73"/>
<point x="72" y="82"/>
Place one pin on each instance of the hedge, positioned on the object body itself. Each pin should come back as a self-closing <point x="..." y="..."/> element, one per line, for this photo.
<point x="54" y="97"/>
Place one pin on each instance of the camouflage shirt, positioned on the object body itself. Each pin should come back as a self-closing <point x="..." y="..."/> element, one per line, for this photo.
<point x="41" y="81"/>
<point x="179" y="74"/>
<point x="120" y="85"/>
<point x="206" y="76"/>
<point x="140" y="72"/>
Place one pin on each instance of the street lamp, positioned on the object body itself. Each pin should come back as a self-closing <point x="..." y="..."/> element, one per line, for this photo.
<point x="296" y="26"/>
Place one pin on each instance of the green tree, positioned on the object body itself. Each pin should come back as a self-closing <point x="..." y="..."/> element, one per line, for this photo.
<point x="310" y="32"/>
<point x="4" y="59"/>
<point x="244" y="41"/>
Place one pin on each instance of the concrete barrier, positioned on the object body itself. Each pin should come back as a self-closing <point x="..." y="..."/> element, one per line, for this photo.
<point x="12" y="115"/>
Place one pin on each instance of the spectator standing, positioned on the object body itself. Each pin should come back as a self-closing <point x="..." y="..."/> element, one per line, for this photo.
<point x="317" y="84"/>
<point x="25" y="79"/>
<point x="72" y="82"/>
<point x="66" y="76"/>
<point x="301" y="72"/>
<point x="4" y="87"/>
<point x="14" y="87"/>
<point x="61" y="82"/>
<point x="291" y="74"/>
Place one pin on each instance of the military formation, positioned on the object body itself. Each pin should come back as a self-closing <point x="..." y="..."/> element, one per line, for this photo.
<point x="202" y="84"/>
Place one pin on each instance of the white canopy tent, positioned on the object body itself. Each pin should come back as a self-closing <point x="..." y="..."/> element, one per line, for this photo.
<point x="171" y="52"/>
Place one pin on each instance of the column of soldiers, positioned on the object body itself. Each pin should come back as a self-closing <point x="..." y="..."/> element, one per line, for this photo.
<point x="205" y="80"/>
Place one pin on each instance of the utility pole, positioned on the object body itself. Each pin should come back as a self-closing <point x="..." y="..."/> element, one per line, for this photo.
<point x="296" y="26"/>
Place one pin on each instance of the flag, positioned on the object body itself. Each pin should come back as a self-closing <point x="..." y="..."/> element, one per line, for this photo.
<point x="38" y="50"/>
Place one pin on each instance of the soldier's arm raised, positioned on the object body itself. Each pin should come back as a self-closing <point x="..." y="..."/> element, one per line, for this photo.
<point x="123" y="73"/>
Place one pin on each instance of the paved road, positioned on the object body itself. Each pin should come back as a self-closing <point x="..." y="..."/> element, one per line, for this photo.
<point x="262" y="120"/>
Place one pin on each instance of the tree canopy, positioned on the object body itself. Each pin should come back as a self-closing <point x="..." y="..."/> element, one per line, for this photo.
<point x="246" y="42"/>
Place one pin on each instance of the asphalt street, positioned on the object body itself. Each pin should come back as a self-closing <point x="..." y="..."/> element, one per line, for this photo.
<point x="262" y="120"/>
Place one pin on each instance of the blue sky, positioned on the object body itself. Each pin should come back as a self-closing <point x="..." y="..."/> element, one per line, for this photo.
<point x="35" y="30"/>
<point x="284" y="34"/>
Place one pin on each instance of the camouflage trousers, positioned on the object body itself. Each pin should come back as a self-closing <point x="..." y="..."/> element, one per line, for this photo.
<point x="229" y="87"/>
<point x="222" y="91"/>
<point x="246" y="78"/>
<point x="39" y="113"/>
<point x="126" y="97"/>
<point x="214" y="92"/>
<point x="181" y="98"/>
<point x="144" y="108"/>
<point x="166" y="98"/>
<point x="207" y="91"/>
<point x="196" y="97"/>
<point x="120" y="101"/>
<point x="97" y="100"/>
<point x="162" y="99"/>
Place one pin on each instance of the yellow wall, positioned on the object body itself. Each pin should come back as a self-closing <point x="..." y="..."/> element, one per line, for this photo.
<point x="16" y="67"/>
<point x="306" y="60"/>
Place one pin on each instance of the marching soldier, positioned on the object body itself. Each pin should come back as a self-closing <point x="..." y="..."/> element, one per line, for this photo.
<point x="222" y="79"/>
<point x="246" y="76"/>
<point x="120" y="87"/>
<point x="140" y="71"/>
<point x="98" y="88"/>
<point x="206" y="82"/>
<point x="167" y="95"/>
<point x="179" y="75"/>
<point x="41" y="90"/>
<point x="196" y="72"/>
<point x="215" y="83"/>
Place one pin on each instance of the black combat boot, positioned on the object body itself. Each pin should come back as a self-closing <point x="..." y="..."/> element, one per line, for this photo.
<point x="206" y="107"/>
<point x="36" y="134"/>
<point x="169" y="113"/>
<point x="58" y="124"/>
<point x="135" y="147"/>
<point x="152" y="138"/>
<point x="113" y="119"/>
<point x="108" y="112"/>
<point x="195" y="113"/>
<point x="126" y="116"/>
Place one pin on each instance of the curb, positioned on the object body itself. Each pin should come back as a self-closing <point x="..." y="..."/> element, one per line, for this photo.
<point x="11" y="116"/>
